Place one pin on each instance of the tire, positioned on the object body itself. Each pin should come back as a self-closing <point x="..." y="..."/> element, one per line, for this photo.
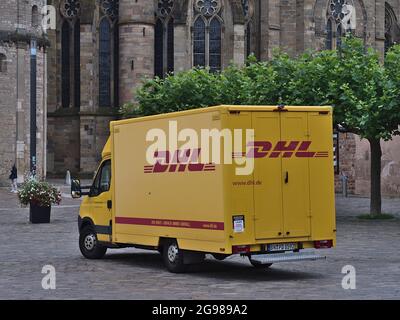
<point x="88" y="244"/>
<point x="220" y="256"/>
<point x="259" y="265"/>
<point x="173" y="257"/>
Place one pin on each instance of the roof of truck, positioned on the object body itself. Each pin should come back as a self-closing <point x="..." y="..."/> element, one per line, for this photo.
<point x="225" y="108"/>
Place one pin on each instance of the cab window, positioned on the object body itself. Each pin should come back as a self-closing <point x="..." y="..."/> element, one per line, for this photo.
<point x="103" y="179"/>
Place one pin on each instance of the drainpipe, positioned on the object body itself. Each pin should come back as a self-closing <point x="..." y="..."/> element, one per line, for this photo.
<point x="33" y="109"/>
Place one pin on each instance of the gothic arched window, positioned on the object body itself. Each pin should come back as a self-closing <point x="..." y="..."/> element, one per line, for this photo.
<point x="116" y="66"/>
<point x="215" y="45"/>
<point x="70" y="53"/>
<point x="104" y="63"/>
<point x="329" y="35"/>
<point x="339" y="34"/>
<point x="109" y="54"/>
<point x="248" y="40"/>
<point x="65" y="65"/>
<point x="170" y="45"/>
<point x="158" y="49"/>
<point x="77" y="64"/>
<point x="199" y="42"/>
<point x="207" y="34"/>
<point x="164" y="39"/>
<point x="390" y="22"/>
<point x="247" y="7"/>
<point x="341" y="18"/>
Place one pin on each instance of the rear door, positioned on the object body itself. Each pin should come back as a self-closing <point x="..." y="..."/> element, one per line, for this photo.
<point x="295" y="174"/>
<point x="281" y="200"/>
<point x="267" y="171"/>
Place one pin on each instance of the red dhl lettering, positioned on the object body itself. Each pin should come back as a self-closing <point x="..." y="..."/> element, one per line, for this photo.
<point x="188" y="160"/>
<point x="181" y="161"/>
<point x="284" y="149"/>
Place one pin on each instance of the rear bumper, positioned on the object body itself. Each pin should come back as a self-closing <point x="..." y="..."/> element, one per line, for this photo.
<point x="285" y="257"/>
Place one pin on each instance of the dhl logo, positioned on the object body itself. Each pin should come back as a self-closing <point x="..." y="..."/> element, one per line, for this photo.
<point x="188" y="160"/>
<point x="182" y="160"/>
<point x="285" y="149"/>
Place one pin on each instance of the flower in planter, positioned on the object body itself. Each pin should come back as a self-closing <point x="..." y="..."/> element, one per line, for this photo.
<point x="38" y="193"/>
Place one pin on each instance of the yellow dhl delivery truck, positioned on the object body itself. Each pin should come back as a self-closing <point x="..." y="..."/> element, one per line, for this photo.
<point x="251" y="180"/>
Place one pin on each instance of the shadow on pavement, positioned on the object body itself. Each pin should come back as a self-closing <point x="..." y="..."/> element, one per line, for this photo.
<point x="210" y="268"/>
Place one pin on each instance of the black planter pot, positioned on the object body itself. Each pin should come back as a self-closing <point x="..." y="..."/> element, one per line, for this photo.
<point x="38" y="214"/>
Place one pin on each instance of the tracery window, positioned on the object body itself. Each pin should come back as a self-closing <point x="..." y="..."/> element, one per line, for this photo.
<point x="341" y="18"/>
<point x="207" y="34"/>
<point x="70" y="8"/>
<point x="70" y="53"/>
<point x="164" y="38"/>
<point x="108" y="54"/>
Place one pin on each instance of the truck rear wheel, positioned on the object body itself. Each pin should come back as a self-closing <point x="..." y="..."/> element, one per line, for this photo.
<point x="88" y="244"/>
<point x="220" y="256"/>
<point x="258" y="265"/>
<point x="173" y="257"/>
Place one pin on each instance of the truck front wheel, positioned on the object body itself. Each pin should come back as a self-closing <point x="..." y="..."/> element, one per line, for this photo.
<point x="88" y="244"/>
<point x="173" y="257"/>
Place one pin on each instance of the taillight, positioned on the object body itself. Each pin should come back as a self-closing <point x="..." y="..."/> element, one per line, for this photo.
<point x="240" y="249"/>
<point x="323" y="244"/>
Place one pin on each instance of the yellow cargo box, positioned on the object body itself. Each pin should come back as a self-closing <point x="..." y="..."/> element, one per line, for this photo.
<point x="250" y="180"/>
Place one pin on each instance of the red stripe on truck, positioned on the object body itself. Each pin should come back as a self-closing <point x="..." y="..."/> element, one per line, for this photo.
<point x="171" y="223"/>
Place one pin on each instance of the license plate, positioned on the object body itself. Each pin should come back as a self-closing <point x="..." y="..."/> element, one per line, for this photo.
<point x="282" y="246"/>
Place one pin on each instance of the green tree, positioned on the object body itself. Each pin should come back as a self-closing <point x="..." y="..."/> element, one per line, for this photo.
<point x="366" y="98"/>
<point x="194" y="88"/>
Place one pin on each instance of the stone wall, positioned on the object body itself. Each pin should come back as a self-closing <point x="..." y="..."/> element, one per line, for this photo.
<point x="354" y="162"/>
<point x="390" y="170"/>
<point x="63" y="150"/>
<point x="8" y="94"/>
<point x="347" y="151"/>
<point x="16" y="30"/>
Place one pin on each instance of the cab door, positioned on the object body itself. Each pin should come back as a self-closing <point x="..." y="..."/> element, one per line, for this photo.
<point x="99" y="201"/>
<point x="295" y="175"/>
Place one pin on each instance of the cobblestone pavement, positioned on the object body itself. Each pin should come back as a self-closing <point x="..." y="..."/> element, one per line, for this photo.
<point x="372" y="247"/>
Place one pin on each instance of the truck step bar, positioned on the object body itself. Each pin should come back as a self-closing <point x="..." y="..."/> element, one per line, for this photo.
<point x="285" y="257"/>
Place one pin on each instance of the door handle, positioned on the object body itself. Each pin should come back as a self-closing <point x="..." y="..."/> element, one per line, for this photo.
<point x="286" y="177"/>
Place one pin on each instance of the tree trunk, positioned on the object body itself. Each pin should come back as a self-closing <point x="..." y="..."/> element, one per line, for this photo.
<point x="376" y="154"/>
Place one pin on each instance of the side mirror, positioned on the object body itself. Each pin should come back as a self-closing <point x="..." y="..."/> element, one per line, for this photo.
<point x="76" y="190"/>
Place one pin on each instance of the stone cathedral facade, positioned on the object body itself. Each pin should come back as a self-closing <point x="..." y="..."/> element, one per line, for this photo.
<point x="102" y="49"/>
